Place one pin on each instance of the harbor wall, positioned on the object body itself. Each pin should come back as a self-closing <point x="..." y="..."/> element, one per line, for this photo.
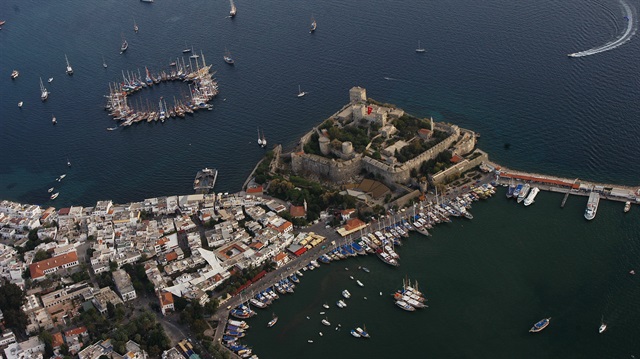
<point x="459" y="168"/>
<point x="329" y="169"/>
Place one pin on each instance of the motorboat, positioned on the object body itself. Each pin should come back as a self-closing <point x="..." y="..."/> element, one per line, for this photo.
<point x="55" y="195"/>
<point x="602" y="328"/>
<point x="539" y="326"/>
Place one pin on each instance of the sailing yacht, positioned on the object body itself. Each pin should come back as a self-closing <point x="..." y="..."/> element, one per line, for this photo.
<point x="194" y="56"/>
<point x="68" y="162"/>
<point x="124" y="46"/>
<point x="232" y="12"/>
<point x="104" y="63"/>
<point x="135" y="26"/>
<point x="44" y="93"/>
<point x="300" y="92"/>
<point x="53" y="119"/>
<point x="264" y="140"/>
<point x="314" y="25"/>
<point x="227" y="57"/>
<point x="420" y="49"/>
<point x="186" y="49"/>
<point x="259" y="139"/>
<point x="69" y="69"/>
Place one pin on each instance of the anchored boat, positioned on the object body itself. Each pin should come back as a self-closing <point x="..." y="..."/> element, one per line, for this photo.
<point x="540" y="325"/>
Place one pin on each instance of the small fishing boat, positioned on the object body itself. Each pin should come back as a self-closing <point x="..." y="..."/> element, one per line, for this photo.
<point x="55" y="195"/>
<point x="53" y="119"/>
<point x="50" y="189"/>
<point x="366" y="269"/>
<point x="602" y="328"/>
<point x="300" y="92"/>
<point x="325" y="306"/>
<point x="540" y="325"/>
<point x="50" y="80"/>
<point x="359" y="283"/>
<point x="313" y="26"/>
<point x="15" y="74"/>
<point x="227" y="57"/>
<point x="69" y="68"/>
<point x="68" y="163"/>
<point x="20" y="104"/>
<point x="135" y="26"/>
<point x="124" y="46"/>
<point x="104" y="63"/>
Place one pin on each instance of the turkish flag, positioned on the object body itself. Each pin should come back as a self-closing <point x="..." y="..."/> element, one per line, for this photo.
<point x="369" y="109"/>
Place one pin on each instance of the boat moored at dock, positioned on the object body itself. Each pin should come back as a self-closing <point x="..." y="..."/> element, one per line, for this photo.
<point x="205" y="180"/>
<point x="523" y="192"/>
<point x="592" y="206"/>
<point x="532" y="195"/>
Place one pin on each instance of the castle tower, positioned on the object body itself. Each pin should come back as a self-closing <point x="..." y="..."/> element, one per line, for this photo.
<point x="432" y="124"/>
<point x="357" y="94"/>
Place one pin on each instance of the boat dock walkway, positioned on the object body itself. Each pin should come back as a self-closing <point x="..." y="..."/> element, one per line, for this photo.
<point x="568" y="186"/>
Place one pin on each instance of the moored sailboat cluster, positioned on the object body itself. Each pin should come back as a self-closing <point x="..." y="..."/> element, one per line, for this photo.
<point x="203" y="88"/>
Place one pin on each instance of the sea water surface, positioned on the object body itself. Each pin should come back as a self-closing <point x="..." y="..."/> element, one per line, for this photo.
<point x="497" y="67"/>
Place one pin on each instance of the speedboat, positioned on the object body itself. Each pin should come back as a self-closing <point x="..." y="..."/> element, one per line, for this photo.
<point x="540" y="325"/>
<point x="272" y="322"/>
<point x="341" y="304"/>
<point x="50" y="79"/>
<point x="50" y="189"/>
<point x="355" y="334"/>
<point x="61" y="177"/>
<point x="14" y="74"/>
<point x="20" y="104"/>
<point x="325" y="306"/>
<point x="55" y="195"/>
<point x="326" y="322"/>
<point x="602" y="328"/>
<point x="359" y="283"/>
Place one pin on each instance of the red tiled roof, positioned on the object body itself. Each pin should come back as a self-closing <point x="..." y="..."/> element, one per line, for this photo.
<point x="283" y="227"/>
<point x="541" y="180"/>
<point x="57" y="340"/>
<point x="280" y="257"/>
<point x="37" y="269"/>
<point x="353" y="224"/>
<point x="165" y="298"/>
<point x="171" y="256"/>
<point x="455" y="159"/>
<point x="75" y="331"/>
<point x="64" y="211"/>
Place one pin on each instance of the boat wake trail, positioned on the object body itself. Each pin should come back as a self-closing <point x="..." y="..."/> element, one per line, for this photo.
<point x="632" y="27"/>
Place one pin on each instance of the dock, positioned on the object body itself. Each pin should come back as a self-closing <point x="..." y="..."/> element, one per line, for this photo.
<point x="566" y="196"/>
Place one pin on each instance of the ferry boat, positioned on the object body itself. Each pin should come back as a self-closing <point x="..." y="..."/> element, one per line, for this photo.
<point x="15" y="74"/>
<point x="532" y="195"/>
<point x="523" y="192"/>
<point x="403" y="305"/>
<point x="627" y="206"/>
<point x="346" y="294"/>
<point x="592" y="206"/>
<point x="540" y="325"/>
<point x="55" y="195"/>
<point x="205" y="180"/>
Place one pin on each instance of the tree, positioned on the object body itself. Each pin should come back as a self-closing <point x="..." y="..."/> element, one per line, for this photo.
<point x="40" y="256"/>
<point x="11" y="302"/>
<point x="46" y="337"/>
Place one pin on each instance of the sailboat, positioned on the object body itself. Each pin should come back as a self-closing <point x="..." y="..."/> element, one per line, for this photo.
<point x="264" y="140"/>
<point x="259" y="139"/>
<point x="300" y="92"/>
<point x="314" y="25"/>
<point x="420" y="49"/>
<point x="69" y="69"/>
<point x="232" y="12"/>
<point x="186" y="49"/>
<point x="124" y="46"/>
<point x="227" y="57"/>
<point x="53" y="119"/>
<point x="104" y="63"/>
<point x="44" y="93"/>
<point x="135" y="26"/>
<point x="68" y="162"/>
<point x="194" y="56"/>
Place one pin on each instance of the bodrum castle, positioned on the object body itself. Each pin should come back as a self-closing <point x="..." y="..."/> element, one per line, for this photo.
<point x="383" y="142"/>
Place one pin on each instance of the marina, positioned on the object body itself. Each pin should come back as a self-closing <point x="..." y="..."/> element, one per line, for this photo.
<point x="203" y="88"/>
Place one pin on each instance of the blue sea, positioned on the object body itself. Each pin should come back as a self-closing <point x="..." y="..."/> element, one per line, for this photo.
<point x="497" y="67"/>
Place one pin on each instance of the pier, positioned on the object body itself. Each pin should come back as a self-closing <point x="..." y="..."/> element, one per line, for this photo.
<point x="566" y="196"/>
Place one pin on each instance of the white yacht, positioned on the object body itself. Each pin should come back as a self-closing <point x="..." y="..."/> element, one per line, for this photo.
<point x="523" y="192"/>
<point x="531" y="197"/>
